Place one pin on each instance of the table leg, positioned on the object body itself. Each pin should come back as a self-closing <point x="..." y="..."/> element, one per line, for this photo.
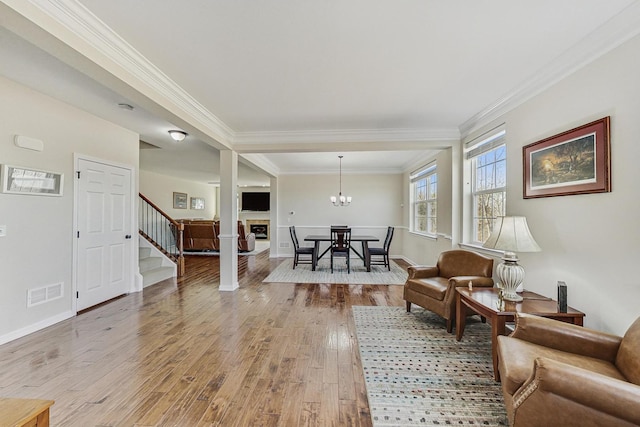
<point x="461" y="318"/>
<point x="314" y="257"/>
<point x="367" y="256"/>
<point x="497" y="328"/>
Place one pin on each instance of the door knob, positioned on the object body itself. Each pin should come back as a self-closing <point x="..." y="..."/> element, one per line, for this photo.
<point x="128" y="236"/>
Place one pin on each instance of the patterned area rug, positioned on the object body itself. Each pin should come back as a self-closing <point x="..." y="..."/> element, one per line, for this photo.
<point x="379" y="275"/>
<point x="418" y="374"/>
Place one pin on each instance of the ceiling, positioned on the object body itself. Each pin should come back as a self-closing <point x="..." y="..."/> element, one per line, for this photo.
<point x="297" y="82"/>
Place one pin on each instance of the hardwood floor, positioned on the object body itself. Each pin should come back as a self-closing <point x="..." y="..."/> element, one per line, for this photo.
<point x="182" y="353"/>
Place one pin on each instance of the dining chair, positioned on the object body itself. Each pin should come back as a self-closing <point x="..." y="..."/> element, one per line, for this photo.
<point x="300" y="250"/>
<point x="341" y="245"/>
<point x="382" y="252"/>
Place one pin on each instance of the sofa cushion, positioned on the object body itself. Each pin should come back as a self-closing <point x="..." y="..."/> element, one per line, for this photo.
<point x="433" y="287"/>
<point x="517" y="361"/>
<point x="627" y="359"/>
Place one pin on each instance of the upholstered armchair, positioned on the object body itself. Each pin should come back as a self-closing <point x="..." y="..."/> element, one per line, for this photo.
<point x="559" y="374"/>
<point x="434" y="288"/>
<point x="246" y="241"/>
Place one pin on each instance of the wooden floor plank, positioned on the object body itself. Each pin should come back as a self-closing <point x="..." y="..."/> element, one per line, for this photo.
<point x="183" y="353"/>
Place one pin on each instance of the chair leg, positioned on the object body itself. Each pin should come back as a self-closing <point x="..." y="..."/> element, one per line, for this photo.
<point x="408" y="307"/>
<point x="449" y="325"/>
<point x="295" y="260"/>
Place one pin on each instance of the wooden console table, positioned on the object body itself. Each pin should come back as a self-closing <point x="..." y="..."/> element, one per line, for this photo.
<point x="24" y="412"/>
<point x="485" y="302"/>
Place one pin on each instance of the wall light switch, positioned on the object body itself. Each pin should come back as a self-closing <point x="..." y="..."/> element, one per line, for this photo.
<point x="3" y="230"/>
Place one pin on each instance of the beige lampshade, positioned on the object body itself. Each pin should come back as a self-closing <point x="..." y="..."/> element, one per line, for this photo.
<point x="511" y="234"/>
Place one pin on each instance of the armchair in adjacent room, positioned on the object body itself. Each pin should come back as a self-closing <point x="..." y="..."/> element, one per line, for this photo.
<point x="434" y="288"/>
<point x="246" y="241"/>
<point x="559" y="374"/>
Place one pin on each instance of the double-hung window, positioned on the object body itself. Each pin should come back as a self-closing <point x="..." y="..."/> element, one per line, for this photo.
<point x="488" y="159"/>
<point x="424" y="200"/>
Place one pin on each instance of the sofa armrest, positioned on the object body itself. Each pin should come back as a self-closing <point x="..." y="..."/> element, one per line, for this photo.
<point x="251" y="242"/>
<point x="478" y="281"/>
<point x="566" y="337"/>
<point x="422" y="271"/>
<point x="572" y="390"/>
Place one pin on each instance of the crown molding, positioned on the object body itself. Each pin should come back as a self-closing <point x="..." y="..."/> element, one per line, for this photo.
<point x="347" y="136"/>
<point x="332" y="171"/>
<point x="78" y="20"/>
<point x="620" y="28"/>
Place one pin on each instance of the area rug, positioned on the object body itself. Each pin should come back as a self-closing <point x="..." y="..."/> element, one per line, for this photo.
<point x="379" y="275"/>
<point x="418" y="374"/>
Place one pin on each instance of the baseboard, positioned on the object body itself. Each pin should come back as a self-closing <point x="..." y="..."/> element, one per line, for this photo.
<point x="23" y="332"/>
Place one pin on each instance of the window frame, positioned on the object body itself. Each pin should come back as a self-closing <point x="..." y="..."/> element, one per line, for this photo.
<point x="478" y="148"/>
<point x="429" y="176"/>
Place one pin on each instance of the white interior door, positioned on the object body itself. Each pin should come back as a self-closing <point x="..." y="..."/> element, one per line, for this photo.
<point x="104" y="232"/>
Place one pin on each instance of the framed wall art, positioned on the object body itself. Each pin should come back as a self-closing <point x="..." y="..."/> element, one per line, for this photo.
<point x="179" y="200"/>
<point x="20" y="180"/>
<point x="197" y="203"/>
<point x="573" y="162"/>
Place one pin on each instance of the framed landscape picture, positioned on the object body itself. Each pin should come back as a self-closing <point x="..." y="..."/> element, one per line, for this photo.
<point x="573" y="162"/>
<point x="179" y="200"/>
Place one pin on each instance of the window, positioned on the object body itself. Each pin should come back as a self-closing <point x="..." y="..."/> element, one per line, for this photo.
<point x="488" y="160"/>
<point x="424" y="200"/>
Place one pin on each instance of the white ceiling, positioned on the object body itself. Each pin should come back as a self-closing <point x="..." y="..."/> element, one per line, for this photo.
<point x="283" y="73"/>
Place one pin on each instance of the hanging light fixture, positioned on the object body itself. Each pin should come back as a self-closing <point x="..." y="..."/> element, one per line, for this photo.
<point x="177" y="135"/>
<point x="341" y="200"/>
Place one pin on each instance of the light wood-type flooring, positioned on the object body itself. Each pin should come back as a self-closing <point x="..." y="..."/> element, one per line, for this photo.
<point x="182" y="353"/>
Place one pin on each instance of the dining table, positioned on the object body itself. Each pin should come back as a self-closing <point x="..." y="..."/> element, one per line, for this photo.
<point x="364" y="239"/>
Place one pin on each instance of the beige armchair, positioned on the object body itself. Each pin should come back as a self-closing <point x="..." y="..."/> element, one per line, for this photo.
<point x="434" y="288"/>
<point x="555" y="373"/>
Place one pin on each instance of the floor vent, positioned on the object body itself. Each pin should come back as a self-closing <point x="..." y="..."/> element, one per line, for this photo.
<point x="44" y="294"/>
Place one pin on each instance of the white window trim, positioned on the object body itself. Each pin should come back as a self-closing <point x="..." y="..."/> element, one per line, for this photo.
<point x="473" y="148"/>
<point x="414" y="177"/>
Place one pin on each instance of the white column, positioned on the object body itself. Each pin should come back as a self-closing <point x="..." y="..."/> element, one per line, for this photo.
<point x="228" y="220"/>
<point x="274" y="237"/>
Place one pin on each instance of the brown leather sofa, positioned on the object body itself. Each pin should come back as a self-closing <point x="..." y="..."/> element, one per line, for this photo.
<point x="558" y="374"/>
<point x="434" y="287"/>
<point x="201" y="235"/>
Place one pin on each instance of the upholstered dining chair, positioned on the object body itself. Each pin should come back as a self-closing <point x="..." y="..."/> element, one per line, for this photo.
<point x="341" y="245"/>
<point x="301" y="250"/>
<point x="382" y="252"/>
<point x="434" y="288"/>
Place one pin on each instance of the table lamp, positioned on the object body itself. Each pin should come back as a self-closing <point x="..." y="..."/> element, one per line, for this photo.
<point x="511" y="234"/>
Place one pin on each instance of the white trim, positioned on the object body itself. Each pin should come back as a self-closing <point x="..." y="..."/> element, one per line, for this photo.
<point x="622" y="27"/>
<point x="35" y="327"/>
<point x="80" y="21"/>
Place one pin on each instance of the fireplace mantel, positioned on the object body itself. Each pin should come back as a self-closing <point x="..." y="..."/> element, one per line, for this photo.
<point x="259" y="222"/>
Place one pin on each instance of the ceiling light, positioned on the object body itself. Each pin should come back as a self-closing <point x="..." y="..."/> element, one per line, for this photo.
<point x="341" y="200"/>
<point x="177" y="135"/>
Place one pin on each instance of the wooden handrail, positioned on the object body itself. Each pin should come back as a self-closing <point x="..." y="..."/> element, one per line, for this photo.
<point x="179" y="239"/>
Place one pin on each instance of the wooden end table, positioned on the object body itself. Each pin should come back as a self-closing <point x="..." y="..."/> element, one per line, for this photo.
<point x="24" y="412"/>
<point x="484" y="301"/>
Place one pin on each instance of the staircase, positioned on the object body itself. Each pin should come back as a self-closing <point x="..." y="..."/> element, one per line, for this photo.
<point x="153" y="267"/>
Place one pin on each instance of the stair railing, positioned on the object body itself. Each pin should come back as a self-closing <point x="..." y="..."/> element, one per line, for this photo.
<point x="162" y="231"/>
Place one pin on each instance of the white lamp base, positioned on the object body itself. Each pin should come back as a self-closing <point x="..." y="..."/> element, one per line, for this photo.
<point x="511" y="275"/>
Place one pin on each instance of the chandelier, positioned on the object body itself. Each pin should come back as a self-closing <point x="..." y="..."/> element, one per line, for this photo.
<point x="341" y="200"/>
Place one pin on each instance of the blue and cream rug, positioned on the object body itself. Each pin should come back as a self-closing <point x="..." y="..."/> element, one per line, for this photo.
<point x="379" y="275"/>
<point x="418" y="374"/>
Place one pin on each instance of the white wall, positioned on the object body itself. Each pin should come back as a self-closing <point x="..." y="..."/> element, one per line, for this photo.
<point x="38" y="248"/>
<point x="159" y="189"/>
<point x="376" y="204"/>
<point x="588" y="241"/>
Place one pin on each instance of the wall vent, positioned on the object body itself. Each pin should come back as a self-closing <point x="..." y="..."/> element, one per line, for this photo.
<point x="37" y="296"/>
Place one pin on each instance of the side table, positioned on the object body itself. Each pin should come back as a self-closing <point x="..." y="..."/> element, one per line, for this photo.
<point x="24" y="412"/>
<point x="485" y="302"/>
